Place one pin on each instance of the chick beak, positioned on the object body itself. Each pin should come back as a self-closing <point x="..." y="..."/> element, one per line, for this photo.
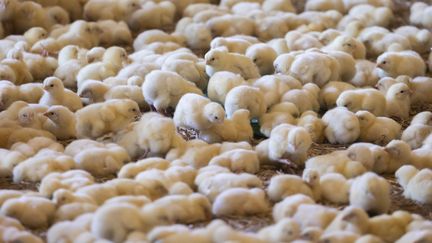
<point x="291" y="147"/>
<point x="45" y="114"/>
<point x="380" y="65"/>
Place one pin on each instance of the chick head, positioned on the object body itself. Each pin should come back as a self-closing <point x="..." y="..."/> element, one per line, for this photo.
<point x="35" y="34"/>
<point x="311" y="177"/>
<point x="287" y="229"/>
<point x="346" y="99"/>
<point x="15" y="53"/>
<point x="214" y="112"/>
<point x="399" y="91"/>
<point x="116" y="56"/>
<point x="215" y="57"/>
<point x="327" y="36"/>
<point x="398" y="149"/>
<point x="57" y="112"/>
<point x="365" y="118"/>
<point x="405" y="173"/>
<point x="70" y="51"/>
<point x="130" y="6"/>
<point x="62" y="196"/>
<point x="59" y="15"/>
<point x="355" y="215"/>
<point x="385" y="83"/>
<point x="312" y="88"/>
<point x="26" y="116"/>
<point x="386" y="61"/>
<point x="311" y="234"/>
<point x="130" y="108"/>
<point x="287" y="107"/>
<point x="53" y="84"/>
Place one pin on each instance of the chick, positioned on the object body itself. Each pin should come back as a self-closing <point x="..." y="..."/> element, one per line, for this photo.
<point x="418" y="235"/>
<point x="43" y="163"/>
<point x="282" y="186"/>
<point x="152" y="15"/>
<point x="288" y="207"/>
<point x="33" y="212"/>
<point x="334" y="188"/>
<point x="221" y="83"/>
<point x="228" y="25"/>
<point x="112" y="115"/>
<point x="418" y="130"/>
<point x="71" y="180"/>
<point x="273" y="87"/>
<point x="263" y="56"/>
<point x="61" y="122"/>
<point x="285" y="112"/>
<point x="370" y="192"/>
<point x="238" y="160"/>
<point x="321" y="218"/>
<point x="416" y="183"/>
<point x="346" y="62"/>
<point x="420" y="39"/>
<point x="218" y="60"/>
<point x="172" y="209"/>
<point x="367" y="99"/>
<point x="151" y="36"/>
<point x="156" y="93"/>
<point x="29" y="117"/>
<point x="399" y="154"/>
<point x="398" y="101"/>
<point x="215" y="185"/>
<point x="306" y="99"/>
<point x="394" y="64"/>
<point x="351" y="219"/>
<point x="240" y="201"/>
<point x="296" y="40"/>
<point x="133" y="169"/>
<point x="102" y="225"/>
<point x="56" y="94"/>
<point x="378" y="130"/>
<point x="420" y="13"/>
<point x="237" y="128"/>
<point x="341" y="130"/>
<point x="320" y="5"/>
<point x="390" y="227"/>
<point x="285" y="142"/>
<point x="349" y="45"/>
<point x="331" y="91"/>
<point x="197" y="112"/>
<point x="366" y="74"/>
<point x="338" y="162"/>
<point x="283" y="231"/>
<point x="235" y="100"/>
<point x="197" y="35"/>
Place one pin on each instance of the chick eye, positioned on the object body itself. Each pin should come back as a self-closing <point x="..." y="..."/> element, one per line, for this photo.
<point x="52" y="85"/>
<point x="51" y="113"/>
<point x="134" y="110"/>
<point x="216" y="117"/>
<point x="212" y="59"/>
<point x="254" y="60"/>
<point x="402" y="91"/>
<point x="384" y="62"/>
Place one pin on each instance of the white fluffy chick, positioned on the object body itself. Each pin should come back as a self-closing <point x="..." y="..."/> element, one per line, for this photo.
<point x="114" y="221"/>
<point x="215" y="185"/>
<point x="366" y="74"/>
<point x="127" y="92"/>
<point x="420" y="39"/>
<point x="150" y="36"/>
<point x="163" y="89"/>
<point x="238" y="160"/>
<point x="296" y="40"/>
<point x="132" y="169"/>
<point x="197" y="112"/>
<point x="321" y="217"/>
<point x="273" y="87"/>
<point x="288" y="207"/>
<point x="420" y="14"/>
<point x="221" y="83"/>
<point x="416" y="183"/>
<point x="191" y="71"/>
<point x="220" y="60"/>
<point x="394" y="64"/>
<point x="418" y="130"/>
<point x="263" y="56"/>
<point x="313" y="124"/>
<point x="70" y="180"/>
<point x="33" y="212"/>
<point x="285" y="112"/>
<point x="197" y="35"/>
<point x="286" y="142"/>
<point x="305" y="99"/>
<point x="342" y="126"/>
<point x="315" y="67"/>
<point x="349" y="45"/>
<point x="338" y="162"/>
<point x="240" y="201"/>
<point x="335" y="188"/>
<point x="228" y="25"/>
<point x="346" y="62"/>
<point x="331" y="91"/>
<point x="416" y="235"/>
<point x="370" y="192"/>
<point x="378" y="130"/>
<point x="237" y="128"/>
<point x="350" y="219"/>
<point x="398" y="101"/>
<point x="390" y="227"/>
<point x="184" y="209"/>
<point x="282" y="186"/>
<point x="236" y="100"/>
<point x="399" y="154"/>
<point x="113" y="115"/>
<point x="232" y="44"/>
<point x="368" y="99"/>
<point x="56" y="94"/>
<point x="285" y="230"/>
<point x="61" y="122"/>
<point x="152" y="15"/>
